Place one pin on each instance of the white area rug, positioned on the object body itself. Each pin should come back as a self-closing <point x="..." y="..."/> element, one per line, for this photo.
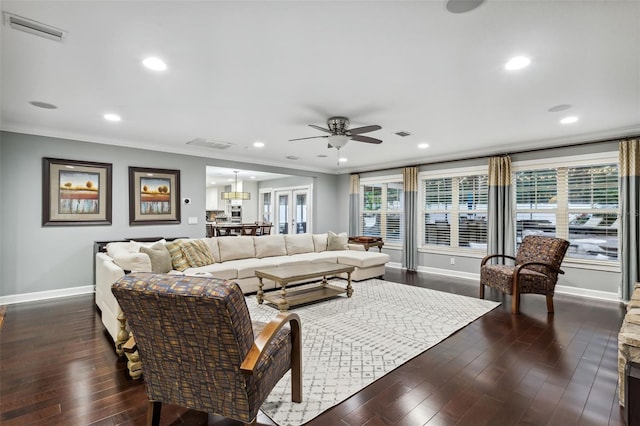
<point x="348" y="343"/>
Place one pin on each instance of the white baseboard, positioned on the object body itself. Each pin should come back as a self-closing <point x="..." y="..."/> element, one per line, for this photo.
<point x="44" y="295"/>
<point x="560" y="289"/>
<point x="590" y="294"/>
<point x="450" y="273"/>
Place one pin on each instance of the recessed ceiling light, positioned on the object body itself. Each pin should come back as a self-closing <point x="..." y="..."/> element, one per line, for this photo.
<point x="258" y="144"/>
<point x="43" y="105"/>
<point x="343" y="160"/>
<point x="292" y="157"/>
<point x="558" y="108"/>
<point x="252" y="177"/>
<point x="112" y="117"/>
<point x="155" y="64"/>
<point x="463" y="6"/>
<point x="517" y="63"/>
<point x="569" y="120"/>
<point x="322" y="155"/>
<point x="423" y="145"/>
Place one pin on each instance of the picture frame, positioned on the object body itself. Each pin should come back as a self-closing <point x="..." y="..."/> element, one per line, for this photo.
<point x="76" y="193"/>
<point x="154" y="196"/>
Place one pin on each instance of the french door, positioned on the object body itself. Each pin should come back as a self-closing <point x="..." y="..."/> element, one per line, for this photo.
<point x="292" y="211"/>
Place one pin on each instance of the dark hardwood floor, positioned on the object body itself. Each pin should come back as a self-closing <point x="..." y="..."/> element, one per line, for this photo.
<point x="57" y="367"/>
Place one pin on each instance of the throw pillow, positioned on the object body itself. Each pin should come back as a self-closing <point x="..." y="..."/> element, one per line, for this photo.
<point x="160" y="258"/>
<point x="337" y="241"/>
<point x="197" y="253"/>
<point x="319" y="242"/>
<point x="178" y="261"/>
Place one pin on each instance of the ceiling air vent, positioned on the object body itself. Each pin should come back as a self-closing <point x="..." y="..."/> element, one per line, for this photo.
<point x="403" y="134"/>
<point x="208" y="143"/>
<point x="33" y="27"/>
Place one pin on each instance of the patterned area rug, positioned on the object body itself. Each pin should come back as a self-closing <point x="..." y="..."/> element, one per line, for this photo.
<point x="348" y="343"/>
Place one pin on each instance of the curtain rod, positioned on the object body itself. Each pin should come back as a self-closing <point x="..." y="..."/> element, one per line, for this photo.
<point x="526" y="151"/>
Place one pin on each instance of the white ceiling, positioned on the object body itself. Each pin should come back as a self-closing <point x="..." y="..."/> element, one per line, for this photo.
<point x="244" y="71"/>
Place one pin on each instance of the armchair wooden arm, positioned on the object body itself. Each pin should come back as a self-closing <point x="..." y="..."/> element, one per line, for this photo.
<point x="491" y="256"/>
<point x="267" y="334"/>
<point x="515" y="303"/>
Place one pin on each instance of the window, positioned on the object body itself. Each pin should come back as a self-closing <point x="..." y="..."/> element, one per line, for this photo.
<point x="265" y="207"/>
<point x="577" y="202"/>
<point x="455" y="211"/>
<point x="382" y="209"/>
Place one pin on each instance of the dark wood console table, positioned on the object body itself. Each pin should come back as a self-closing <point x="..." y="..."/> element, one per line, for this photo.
<point x="367" y="242"/>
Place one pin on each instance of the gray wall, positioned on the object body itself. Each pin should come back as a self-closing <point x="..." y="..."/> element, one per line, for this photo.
<point x="36" y="258"/>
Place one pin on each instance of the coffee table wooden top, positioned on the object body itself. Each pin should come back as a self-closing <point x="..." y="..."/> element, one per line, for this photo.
<point x="291" y="273"/>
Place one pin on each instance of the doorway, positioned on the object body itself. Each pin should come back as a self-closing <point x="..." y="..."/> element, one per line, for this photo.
<point x="292" y="211"/>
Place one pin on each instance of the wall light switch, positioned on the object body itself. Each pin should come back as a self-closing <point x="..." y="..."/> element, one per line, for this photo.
<point x="193" y="220"/>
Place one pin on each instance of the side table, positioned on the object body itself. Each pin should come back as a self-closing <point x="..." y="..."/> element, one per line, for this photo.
<point x="367" y="242"/>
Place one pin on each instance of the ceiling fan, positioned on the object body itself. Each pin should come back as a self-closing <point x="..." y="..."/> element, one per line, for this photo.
<point x="340" y="134"/>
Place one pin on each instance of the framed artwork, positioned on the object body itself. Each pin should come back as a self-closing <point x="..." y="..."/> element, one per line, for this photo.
<point x="154" y="196"/>
<point x="75" y="193"/>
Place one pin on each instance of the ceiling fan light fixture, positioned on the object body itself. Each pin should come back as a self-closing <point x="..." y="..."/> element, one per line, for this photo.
<point x="338" y="141"/>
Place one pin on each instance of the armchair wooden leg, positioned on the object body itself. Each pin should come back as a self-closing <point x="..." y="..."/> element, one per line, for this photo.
<point x="153" y="413"/>
<point x="481" y="291"/>
<point x="515" y="296"/>
<point x="550" y="303"/>
<point x="296" y="362"/>
<point x="515" y="303"/>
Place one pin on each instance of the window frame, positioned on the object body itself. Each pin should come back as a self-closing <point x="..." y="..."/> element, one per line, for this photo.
<point x="562" y="209"/>
<point x="383" y="212"/>
<point x="454" y="230"/>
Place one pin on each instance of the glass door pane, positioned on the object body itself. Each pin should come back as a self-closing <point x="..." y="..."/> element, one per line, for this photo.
<point x="283" y="212"/>
<point x="301" y="212"/>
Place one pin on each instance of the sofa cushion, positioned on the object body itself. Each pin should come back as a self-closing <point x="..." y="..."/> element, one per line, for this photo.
<point x="319" y="242"/>
<point x="270" y="245"/>
<point x="197" y="253"/>
<point x="299" y="243"/>
<point x="121" y="248"/>
<point x="363" y="259"/>
<point x="212" y="243"/>
<point x="247" y="267"/>
<point x="232" y="248"/>
<point x="159" y="257"/>
<point x="134" y="262"/>
<point x="337" y="241"/>
<point x="178" y="261"/>
<point x="126" y="256"/>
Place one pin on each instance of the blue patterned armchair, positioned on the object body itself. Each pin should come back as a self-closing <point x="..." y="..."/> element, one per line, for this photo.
<point x="197" y="346"/>
<point x="536" y="269"/>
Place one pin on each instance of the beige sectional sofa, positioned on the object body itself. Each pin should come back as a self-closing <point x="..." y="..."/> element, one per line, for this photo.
<point x="232" y="258"/>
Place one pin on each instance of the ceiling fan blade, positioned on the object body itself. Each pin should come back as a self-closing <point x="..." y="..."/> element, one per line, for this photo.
<point x="320" y="128"/>
<point x="311" y="137"/>
<point x="366" y="139"/>
<point x="364" y="129"/>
